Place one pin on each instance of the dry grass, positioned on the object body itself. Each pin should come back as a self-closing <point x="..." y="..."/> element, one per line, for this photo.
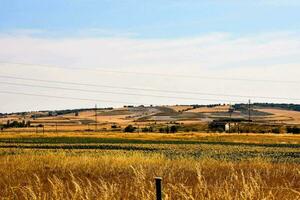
<point x="216" y="109"/>
<point x="120" y="175"/>
<point x="279" y="115"/>
<point x="178" y="108"/>
<point x="120" y="119"/>
<point x="125" y="170"/>
<point x="69" y="119"/>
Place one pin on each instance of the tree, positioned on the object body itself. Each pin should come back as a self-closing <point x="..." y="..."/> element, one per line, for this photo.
<point x="161" y="130"/>
<point x="294" y="130"/>
<point x="173" y="129"/>
<point x="151" y="129"/>
<point x="145" y="129"/>
<point x="129" y="129"/>
<point x="167" y="129"/>
<point x="28" y="124"/>
<point x="276" y="130"/>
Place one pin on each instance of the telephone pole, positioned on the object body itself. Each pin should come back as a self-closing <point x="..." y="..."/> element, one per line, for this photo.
<point x="249" y="110"/>
<point x="96" y="117"/>
<point x="56" y="127"/>
<point x="231" y="110"/>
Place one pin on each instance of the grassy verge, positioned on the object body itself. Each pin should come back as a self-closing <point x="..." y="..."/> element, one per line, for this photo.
<point x="119" y="175"/>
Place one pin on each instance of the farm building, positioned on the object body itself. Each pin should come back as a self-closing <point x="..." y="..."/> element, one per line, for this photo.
<point x="224" y="125"/>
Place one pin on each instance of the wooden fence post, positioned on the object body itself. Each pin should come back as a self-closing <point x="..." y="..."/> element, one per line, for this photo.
<point x="158" y="186"/>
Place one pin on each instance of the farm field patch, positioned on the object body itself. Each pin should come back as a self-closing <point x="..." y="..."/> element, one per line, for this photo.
<point x="117" y="165"/>
<point x="279" y="115"/>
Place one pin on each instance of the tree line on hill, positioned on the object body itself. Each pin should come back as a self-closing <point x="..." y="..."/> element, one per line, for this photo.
<point x="294" y="107"/>
<point x="16" y="124"/>
<point x="213" y="128"/>
<point x="54" y="112"/>
<point x="174" y="128"/>
<point x="166" y="129"/>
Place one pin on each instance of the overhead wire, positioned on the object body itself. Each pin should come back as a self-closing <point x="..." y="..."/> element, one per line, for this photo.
<point x="70" y="98"/>
<point x="150" y="73"/>
<point x="134" y="88"/>
<point x="138" y="89"/>
<point x="119" y="93"/>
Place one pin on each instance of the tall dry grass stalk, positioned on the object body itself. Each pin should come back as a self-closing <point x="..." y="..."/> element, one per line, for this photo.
<point x="129" y="176"/>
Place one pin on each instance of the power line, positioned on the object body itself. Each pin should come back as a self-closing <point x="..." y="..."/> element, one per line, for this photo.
<point x="70" y="98"/>
<point x="151" y="73"/>
<point x="249" y="110"/>
<point x="107" y="92"/>
<point x="100" y="100"/>
<point x="96" y="119"/>
<point x="141" y="89"/>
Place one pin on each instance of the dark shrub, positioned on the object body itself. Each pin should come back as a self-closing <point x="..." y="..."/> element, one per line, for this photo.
<point x="145" y="129"/>
<point x="173" y="129"/>
<point x="129" y="129"/>
<point x="275" y="130"/>
<point x="167" y="129"/>
<point x="294" y="130"/>
<point x="195" y="129"/>
<point x="161" y="130"/>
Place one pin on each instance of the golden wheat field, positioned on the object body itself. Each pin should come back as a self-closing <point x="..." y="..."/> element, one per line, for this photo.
<point x="123" y="166"/>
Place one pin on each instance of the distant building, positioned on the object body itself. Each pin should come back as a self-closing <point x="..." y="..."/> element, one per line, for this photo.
<point x="224" y="125"/>
<point x="52" y="113"/>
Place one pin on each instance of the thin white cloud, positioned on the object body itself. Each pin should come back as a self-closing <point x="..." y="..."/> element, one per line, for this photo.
<point x="280" y="2"/>
<point x="261" y="56"/>
<point x="276" y="3"/>
<point x="82" y="33"/>
<point x="210" y="51"/>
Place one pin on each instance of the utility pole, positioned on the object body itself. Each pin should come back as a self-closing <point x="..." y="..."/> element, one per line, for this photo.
<point x="249" y="110"/>
<point x="230" y="114"/>
<point x="96" y="117"/>
<point x="56" y="127"/>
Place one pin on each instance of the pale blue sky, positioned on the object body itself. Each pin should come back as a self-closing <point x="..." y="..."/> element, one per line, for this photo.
<point x="149" y="18"/>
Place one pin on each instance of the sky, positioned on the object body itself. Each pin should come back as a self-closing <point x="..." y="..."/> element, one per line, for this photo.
<point x="226" y="51"/>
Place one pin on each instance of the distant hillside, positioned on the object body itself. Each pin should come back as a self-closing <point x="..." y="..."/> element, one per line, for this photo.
<point x="58" y="112"/>
<point x="294" y="107"/>
<point x="264" y="117"/>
